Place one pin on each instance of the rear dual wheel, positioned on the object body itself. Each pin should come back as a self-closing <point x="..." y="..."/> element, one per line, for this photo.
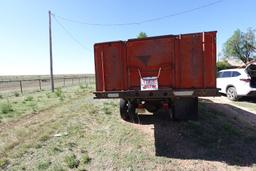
<point x="124" y="109"/>
<point x="128" y="111"/>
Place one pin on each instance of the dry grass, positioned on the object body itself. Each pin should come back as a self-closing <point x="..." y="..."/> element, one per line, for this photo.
<point x="81" y="133"/>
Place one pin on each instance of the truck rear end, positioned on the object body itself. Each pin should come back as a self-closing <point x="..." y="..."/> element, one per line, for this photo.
<point x="165" y="72"/>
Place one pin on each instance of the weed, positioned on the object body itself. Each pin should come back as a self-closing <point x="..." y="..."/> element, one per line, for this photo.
<point x="3" y="163"/>
<point x="37" y="146"/>
<point x="82" y="86"/>
<point x="59" y="92"/>
<point x="61" y="98"/>
<point x="16" y="94"/>
<point x="57" y="167"/>
<point x="93" y="110"/>
<point x="72" y="144"/>
<point x="1" y="96"/>
<point x="29" y="99"/>
<point x="48" y="95"/>
<point x="44" y="165"/>
<point x="6" y="107"/>
<point x="85" y="158"/>
<point x="113" y="104"/>
<point x="55" y="150"/>
<point x="44" y="138"/>
<point x="106" y="109"/>
<point x="71" y="161"/>
<point x="34" y="107"/>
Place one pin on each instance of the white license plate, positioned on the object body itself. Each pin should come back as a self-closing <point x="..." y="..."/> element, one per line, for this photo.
<point x="149" y="83"/>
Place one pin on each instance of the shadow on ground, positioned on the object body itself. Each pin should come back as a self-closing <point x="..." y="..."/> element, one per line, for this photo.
<point x="250" y="99"/>
<point x="223" y="133"/>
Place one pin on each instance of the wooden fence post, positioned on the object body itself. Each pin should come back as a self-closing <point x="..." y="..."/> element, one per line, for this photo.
<point x="21" y="89"/>
<point x="40" y="86"/>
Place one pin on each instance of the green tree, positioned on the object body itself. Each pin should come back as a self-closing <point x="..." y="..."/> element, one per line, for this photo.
<point x="241" y="44"/>
<point x="142" y="35"/>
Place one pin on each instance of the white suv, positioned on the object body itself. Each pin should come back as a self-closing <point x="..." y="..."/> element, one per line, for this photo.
<point x="237" y="82"/>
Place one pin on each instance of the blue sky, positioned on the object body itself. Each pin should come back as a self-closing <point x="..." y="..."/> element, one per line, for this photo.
<point x="24" y="44"/>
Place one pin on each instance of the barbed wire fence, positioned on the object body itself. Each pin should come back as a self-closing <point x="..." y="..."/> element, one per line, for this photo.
<point x="16" y="87"/>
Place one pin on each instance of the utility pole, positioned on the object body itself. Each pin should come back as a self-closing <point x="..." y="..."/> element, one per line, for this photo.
<point x="50" y="43"/>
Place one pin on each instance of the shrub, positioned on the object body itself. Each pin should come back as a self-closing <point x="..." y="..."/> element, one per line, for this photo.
<point x="44" y="138"/>
<point x="85" y="158"/>
<point x="222" y="65"/>
<point x="34" y="107"/>
<point x="44" y="165"/>
<point x="106" y="110"/>
<point x="3" y="163"/>
<point x="29" y="98"/>
<point x="59" y="92"/>
<point x="6" y="108"/>
<point x="71" y="161"/>
<point x="82" y="86"/>
<point x="16" y="94"/>
<point x="48" y="95"/>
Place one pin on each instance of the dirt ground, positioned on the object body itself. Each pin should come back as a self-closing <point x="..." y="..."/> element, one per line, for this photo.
<point x="224" y="138"/>
<point x="168" y="135"/>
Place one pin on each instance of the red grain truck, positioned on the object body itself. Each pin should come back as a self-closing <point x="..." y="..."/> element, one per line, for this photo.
<point x="166" y="72"/>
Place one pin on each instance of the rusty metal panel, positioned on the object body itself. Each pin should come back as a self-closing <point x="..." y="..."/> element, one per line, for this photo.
<point x="189" y="60"/>
<point x="109" y="65"/>
<point x="98" y="48"/>
<point x="150" y="57"/>
<point x="186" y="61"/>
<point x="210" y="60"/>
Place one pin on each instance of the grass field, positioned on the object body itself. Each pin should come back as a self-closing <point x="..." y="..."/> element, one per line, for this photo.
<point x="69" y="130"/>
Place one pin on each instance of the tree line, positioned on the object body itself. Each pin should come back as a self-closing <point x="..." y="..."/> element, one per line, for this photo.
<point x="242" y="45"/>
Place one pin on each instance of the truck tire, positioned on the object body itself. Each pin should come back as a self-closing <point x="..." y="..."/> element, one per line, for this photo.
<point x="185" y="108"/>
<point x="124" y="110"/>
<point x="133" y="116"/>
<point x="232" y="94"/>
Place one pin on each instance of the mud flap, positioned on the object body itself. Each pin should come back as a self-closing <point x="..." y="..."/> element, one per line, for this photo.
<point x="185" y="108"/>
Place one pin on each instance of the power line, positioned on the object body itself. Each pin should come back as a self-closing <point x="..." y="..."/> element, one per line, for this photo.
<point x="70" y="34"/>
<point x="142" y="21"/>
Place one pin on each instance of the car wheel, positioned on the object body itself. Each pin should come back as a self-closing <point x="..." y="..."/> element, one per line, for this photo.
<point x="232" y="94"/>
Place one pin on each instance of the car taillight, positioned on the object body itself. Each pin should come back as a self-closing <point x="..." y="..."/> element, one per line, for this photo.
<point x="246" y="80"/>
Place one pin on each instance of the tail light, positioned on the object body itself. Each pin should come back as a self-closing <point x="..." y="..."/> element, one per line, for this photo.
<point x="247" y="80"/>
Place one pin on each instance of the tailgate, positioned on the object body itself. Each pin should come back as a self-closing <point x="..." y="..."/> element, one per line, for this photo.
<point x="150" y="57"/>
